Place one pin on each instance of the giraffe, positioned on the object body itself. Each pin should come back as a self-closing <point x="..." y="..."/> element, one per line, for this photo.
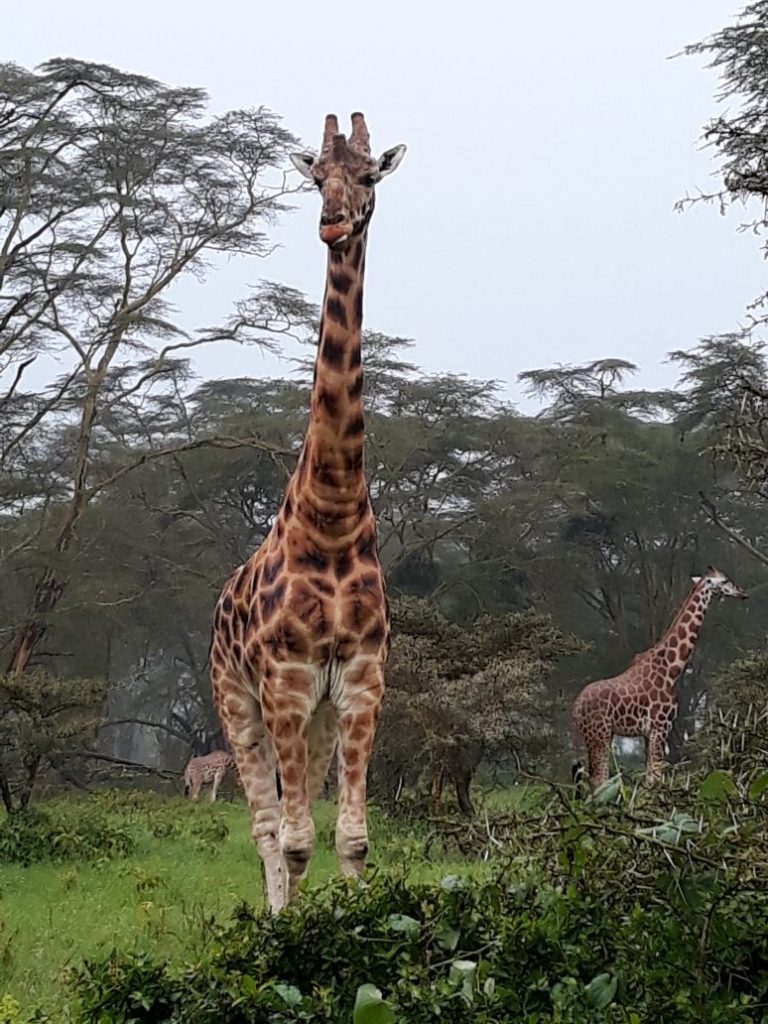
<point x="642" y="702"/>
<point x="208" y="768"/>
<point x="301" y="630"/>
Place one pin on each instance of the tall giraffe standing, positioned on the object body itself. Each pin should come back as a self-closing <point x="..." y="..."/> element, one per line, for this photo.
<point x="301" y="631"/>
<point x="641" y="702"/>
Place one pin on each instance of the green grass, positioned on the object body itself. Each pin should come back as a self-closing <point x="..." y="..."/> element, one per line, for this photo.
<point x="160" y="899"/>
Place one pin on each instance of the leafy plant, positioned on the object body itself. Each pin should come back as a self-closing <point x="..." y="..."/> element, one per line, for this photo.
<point x="36" y="835"/>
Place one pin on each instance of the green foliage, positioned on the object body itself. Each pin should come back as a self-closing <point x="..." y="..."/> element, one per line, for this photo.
<point x="457" y="694"/>
<point x="68" y="833"/>
<point x="533" y="950"/>
<point x="736" y="724"/>
<point x="43" y="719"/>
<point x="107" y="825"/>
<point x="632" y="907"/>
<point x="10" y="1011"/>
<point x="648" y="907"/>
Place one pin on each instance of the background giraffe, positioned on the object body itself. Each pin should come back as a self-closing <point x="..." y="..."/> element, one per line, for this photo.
<point x="641" y="702"/>
<point x="210" y="768"/>
<point x="301" y="631"/>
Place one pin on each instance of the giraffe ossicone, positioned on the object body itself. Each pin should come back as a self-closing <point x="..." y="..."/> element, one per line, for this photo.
<point x="642" y="701"/>
<point x="301" y="631"/>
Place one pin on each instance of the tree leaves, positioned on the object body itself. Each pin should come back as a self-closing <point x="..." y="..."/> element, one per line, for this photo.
<point x="600" y="992"/>
<point x="718" y="786"/>
<point x="371" y="1007"/>
<point x="403" y="923"/>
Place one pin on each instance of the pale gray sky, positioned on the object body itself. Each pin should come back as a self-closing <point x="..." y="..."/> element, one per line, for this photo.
<point x="532" y="219"/>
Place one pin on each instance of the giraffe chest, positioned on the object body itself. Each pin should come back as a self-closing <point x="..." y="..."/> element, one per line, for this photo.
<point x="321" y="619"/>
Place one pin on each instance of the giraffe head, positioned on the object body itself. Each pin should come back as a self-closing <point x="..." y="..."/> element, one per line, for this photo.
<point x="346" y="175"/>
<point x="718" y="584"/>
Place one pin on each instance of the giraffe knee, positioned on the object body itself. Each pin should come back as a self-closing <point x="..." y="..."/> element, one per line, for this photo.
<point x="264" y="829"/>
<point x="352" y="847"/>
<point x="296" y="846"/>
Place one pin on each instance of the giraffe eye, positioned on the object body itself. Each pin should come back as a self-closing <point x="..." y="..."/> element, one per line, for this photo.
<point x="319" y="184"/>
<point x="367" y="181"/>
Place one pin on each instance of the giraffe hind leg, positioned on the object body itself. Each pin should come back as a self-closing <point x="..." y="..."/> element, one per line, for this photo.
<point x="217" y="777"/>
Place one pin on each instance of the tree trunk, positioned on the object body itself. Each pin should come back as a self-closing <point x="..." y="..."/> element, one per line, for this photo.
<point x="48" y="591"/>
<point x="436" y="789"/>
<point x="688" y="694"/>
<point x="462" y="780"/>
<point x="6" y="795"/>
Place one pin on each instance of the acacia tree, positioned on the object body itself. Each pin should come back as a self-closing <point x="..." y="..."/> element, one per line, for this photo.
<point x="458" y="695"/>
<point x="609" y="498"/>
<point x="739" y="53"/>
<point x="727" y="376"/>
<point x="112" y="187"/>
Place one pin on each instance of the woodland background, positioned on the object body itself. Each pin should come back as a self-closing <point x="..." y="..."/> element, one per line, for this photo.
<point x="525" y="554"/>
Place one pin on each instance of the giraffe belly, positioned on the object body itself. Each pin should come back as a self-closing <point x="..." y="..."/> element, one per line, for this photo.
<point x="640" y="728"/>
<point x="339" y="679"/>
<point x="630" y="712"/>
<point x="632" y="722"/>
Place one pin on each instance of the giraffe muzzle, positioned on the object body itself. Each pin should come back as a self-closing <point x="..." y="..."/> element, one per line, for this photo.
<point x="335" y="234"/>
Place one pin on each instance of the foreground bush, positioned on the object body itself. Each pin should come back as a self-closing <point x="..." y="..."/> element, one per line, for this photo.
<point x="627" y="908"/>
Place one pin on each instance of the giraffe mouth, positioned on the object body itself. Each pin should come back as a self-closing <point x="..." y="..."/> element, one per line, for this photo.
<point x="335" y="235"/>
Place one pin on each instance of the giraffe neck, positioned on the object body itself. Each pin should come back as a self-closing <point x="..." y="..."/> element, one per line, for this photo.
<point x="330" y="468"/>
<point x="680" y="639"/>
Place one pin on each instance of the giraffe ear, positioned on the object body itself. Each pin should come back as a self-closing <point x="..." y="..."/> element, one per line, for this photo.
<point x="390" y="160"/>
<point x="696" y="579"/>
<point x="303" y="162"/>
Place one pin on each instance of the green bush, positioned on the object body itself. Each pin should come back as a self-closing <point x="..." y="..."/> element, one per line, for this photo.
<point x="59" y="834"/>
<point x="107" y="824"/>
<point x="627" y="908"/>
<point x="456" y="953"/>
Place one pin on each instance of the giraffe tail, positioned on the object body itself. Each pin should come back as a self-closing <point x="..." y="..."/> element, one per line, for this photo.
<point x="187" y="782"/>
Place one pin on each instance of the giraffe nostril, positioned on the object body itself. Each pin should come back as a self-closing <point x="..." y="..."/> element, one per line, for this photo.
<point x="332" y="218"/>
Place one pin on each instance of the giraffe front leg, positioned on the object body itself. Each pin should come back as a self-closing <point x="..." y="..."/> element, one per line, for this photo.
<point x="654" y="757"/>
<point x="358" y="708"/>
<point x="254" y="754"/>
<point x="288" y="723"/>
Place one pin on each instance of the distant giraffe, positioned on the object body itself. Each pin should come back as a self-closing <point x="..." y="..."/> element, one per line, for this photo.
<point x="642" y="702"/>
<point x="301" y="631"/>
<point x="211" y="768"/>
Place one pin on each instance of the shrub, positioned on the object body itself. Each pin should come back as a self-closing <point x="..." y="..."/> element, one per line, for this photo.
<point x="80" y="834"/>
<point x="629" y="908"/>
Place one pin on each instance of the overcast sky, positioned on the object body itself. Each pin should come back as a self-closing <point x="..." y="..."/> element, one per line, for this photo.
<point x="532" y="219"/>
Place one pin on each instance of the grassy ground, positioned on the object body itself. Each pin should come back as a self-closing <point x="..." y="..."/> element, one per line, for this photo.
<point x="160" y="899"/>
